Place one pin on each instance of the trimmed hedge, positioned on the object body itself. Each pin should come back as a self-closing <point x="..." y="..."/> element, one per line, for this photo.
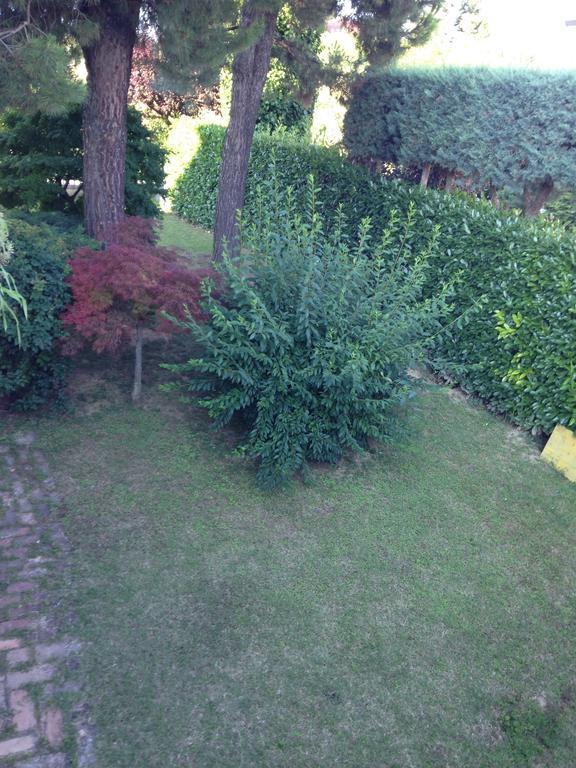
<point x="512" y="129"/>
<point x="33" y="371"/>
<point x="521" y="361"/>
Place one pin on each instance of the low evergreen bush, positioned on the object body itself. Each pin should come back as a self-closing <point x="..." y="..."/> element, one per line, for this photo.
<point x="312" y="335"/>
<point x="523" y="267"/>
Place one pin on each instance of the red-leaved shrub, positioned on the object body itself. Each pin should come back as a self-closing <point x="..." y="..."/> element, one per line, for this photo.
<point x="119" y="291"/>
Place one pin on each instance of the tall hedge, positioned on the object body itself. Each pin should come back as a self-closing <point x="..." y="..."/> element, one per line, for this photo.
<point x="512" y="129"/>
<point x="516" y="349"/>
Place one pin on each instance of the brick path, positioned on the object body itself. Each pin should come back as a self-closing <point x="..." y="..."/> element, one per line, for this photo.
<point x="41" y="712"/>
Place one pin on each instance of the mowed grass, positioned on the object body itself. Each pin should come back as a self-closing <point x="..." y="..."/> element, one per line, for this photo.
<point x="414" y="609"/>
<point x="186" y="238"/>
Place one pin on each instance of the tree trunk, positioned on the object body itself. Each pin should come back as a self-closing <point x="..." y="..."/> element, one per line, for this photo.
<point x="451" y="179"/>
<point x="424" y="178"/>
<point x="494" y="197"/>
<point x="535" y="197"/>
<point x="108" y="63"/>
<point x="137" y="388"/>
<point x="249" y="71"/>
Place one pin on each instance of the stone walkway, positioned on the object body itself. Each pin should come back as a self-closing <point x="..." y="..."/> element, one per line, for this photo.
<point x="41" y="711"/>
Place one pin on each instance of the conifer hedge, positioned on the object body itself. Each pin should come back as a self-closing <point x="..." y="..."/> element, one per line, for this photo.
<point x="512" y="129"/>
<point x="516" y="349"/>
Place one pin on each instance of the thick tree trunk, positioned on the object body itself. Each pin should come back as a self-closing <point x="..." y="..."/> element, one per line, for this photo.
<point x="425" y="177"/>
<point x="108" y="63"/>
<point x="249" y="71"/>
<point x="535" y="197"/>
<point x="137" y="388"/>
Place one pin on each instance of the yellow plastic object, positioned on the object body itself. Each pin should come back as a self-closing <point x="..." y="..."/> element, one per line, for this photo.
<point x="560" y="451"/>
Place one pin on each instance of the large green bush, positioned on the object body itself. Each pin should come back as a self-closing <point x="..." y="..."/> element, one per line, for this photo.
<point x="310" y="336"/>
<point x="40" y="155"/>
<point x="512" y="129"/>
<point x="520" y="266"/>
<point x="31" y="368"/>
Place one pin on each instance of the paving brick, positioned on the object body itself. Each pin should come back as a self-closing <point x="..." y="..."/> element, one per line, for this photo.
<point x="56" y="650"/>
<point x="18" y="657"/>
<point x="23" y="714"/>
<point x="53" y="727"/>
<point x="27" y="518"/>
<point x="8" y="600"/>
<point x="35" y="675"/>
<point x="16" y="624"/>
<point x="16" y="746"/>
<point x="22" y="586"/>
<point x="46" y="761"/>
<point x="9" y="644"/>
<point x="8" y="533"/>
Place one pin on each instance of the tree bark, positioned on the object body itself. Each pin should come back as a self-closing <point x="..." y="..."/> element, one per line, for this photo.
<point x="249" y="72"/>
<point x="108" y="63"/>
<point x="535" y="197"/>
<point x="424" y="178"/>
<point x="137" y="388"/>
<point x="451" y="179"/>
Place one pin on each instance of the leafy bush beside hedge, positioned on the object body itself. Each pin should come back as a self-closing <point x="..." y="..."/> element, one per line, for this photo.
<point x="523" y="268"/>
<point x="33" y="371"/>
<point x="312" y="336"/>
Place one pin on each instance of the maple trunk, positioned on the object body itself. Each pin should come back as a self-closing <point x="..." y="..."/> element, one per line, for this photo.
<point x="108" y="63"/>
<point x="249" y="71"/>
<point x="137" y="388"/>
<point x="535" y="197"/>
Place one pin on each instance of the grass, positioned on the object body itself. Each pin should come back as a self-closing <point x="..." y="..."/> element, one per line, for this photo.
<point x="413" y="609"/>
<point x="185" y="237"/>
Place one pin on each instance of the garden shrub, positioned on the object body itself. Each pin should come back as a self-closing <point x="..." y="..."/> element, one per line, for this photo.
<point x="33" y="370"/>
<point x="518" y="265"/>
<point x="12" y="303"/>
<point x="41" y="154"/>
<point x="314" y="335"/>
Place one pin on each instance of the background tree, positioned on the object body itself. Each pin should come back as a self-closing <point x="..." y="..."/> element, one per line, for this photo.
<point x="41" y="163"/>
<point x="148" y="92"/>
<point x="35" y="70"/>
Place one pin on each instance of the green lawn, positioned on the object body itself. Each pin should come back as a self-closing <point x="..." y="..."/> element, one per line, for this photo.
<point x="186" y="238"/>
<point x="415" y="609"/>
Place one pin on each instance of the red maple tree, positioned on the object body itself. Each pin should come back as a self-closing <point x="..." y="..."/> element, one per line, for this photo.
<point x="125" y="288"/>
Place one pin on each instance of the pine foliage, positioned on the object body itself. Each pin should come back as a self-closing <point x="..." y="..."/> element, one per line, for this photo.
<point x="313" y="338"/>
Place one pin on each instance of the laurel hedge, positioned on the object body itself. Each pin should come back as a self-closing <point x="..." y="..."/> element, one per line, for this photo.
<point x="515" y="349"/>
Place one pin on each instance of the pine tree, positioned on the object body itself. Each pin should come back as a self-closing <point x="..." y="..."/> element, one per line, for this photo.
<point x="198" y="33"/>
<point x="384" y="27"/>
<point x="35" y="70"/>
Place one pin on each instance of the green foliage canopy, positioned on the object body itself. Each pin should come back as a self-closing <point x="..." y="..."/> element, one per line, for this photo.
<point x="312" y="335"/>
